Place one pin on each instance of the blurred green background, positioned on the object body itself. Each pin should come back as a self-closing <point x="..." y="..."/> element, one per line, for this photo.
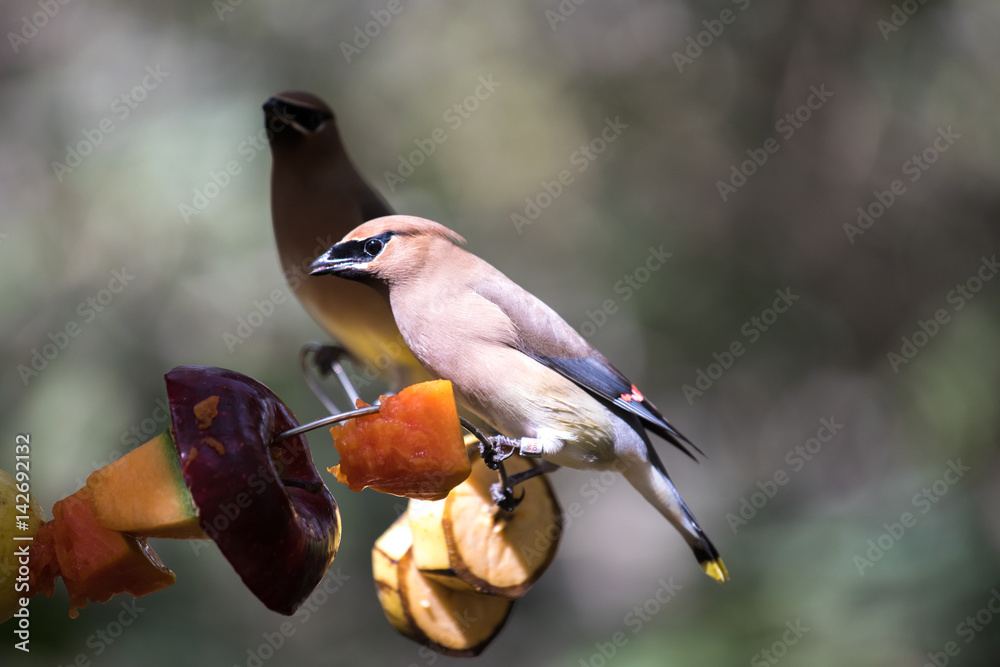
<point x="835" y="102"/>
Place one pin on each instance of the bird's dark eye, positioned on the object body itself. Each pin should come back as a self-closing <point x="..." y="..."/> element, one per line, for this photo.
<point x="373" y="247"/>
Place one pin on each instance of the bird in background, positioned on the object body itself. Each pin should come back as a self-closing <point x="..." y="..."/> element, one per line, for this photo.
<point x="317" y="196"/>
<point x="514" y="362"/>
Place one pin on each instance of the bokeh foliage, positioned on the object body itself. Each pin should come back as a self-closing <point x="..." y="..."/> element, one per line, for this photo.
<point x="895" y="88"/>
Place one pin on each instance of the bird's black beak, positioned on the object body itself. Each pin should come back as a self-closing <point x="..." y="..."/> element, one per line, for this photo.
<point x="303" y="120"/>
<point x="341" y="259"/>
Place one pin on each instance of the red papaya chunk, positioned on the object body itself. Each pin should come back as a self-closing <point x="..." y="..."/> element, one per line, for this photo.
<point x="95" y="562"/>
<point x="413" y="447"/>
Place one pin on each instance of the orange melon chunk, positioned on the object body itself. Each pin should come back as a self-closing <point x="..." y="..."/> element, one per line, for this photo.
<point x="144" y="493"/>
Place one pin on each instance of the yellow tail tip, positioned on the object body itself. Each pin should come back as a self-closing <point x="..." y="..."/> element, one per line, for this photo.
<point x="716" y="569"/>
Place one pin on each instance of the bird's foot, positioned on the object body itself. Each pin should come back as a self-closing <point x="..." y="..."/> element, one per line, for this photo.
<point x="321" y="361"/>
<point x="325" y="356"/>
<point x="503" y="491"/>
<point x="503" y="495"/>
<point x="492" y="450"/>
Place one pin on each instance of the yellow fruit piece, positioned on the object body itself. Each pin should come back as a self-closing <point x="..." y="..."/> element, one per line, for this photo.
<point x="430" y="550"/>
<point x="466" y="536"/>
<point x="386" y="555"/>
<point x="11" y="507"/>
<point x="451" y="622"/>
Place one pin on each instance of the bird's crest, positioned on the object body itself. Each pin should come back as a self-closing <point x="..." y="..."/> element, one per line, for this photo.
<point x="404" y="225"/>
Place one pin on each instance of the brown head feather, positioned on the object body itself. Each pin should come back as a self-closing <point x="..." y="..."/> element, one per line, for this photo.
<point x="405" y="225"/>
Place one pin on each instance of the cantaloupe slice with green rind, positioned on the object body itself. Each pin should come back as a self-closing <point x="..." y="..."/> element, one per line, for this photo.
<point x="144" y="493"/>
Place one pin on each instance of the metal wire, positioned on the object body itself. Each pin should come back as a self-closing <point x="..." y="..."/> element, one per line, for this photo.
<point x="326" y="421"/>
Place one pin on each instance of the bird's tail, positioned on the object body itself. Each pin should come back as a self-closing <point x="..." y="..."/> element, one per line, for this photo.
<point x="651" y="480"/>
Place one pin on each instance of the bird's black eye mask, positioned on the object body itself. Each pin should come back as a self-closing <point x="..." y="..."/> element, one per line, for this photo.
<point x="311" y="120"/>
<point x="362" y="250"/>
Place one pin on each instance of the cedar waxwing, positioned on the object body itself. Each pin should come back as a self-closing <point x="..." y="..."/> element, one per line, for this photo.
<point x="317" y="196"/>
<point x="514" y="362"/>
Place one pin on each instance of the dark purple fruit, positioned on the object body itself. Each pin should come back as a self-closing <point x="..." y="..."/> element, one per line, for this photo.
<point x="262" y="502"/>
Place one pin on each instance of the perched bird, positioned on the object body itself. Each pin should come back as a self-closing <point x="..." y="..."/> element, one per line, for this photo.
<point x="317" y="196"/>
<point x="514" y="362"/>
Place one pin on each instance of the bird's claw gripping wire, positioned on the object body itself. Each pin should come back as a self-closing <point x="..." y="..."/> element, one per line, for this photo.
<point x="491" y="449"/>
<point x="493" y="454"/>
<point x="489" y="446"/>
<point x="502" y="491"/>
<point x="503" y="495"/>
<point x="320" y="360"/>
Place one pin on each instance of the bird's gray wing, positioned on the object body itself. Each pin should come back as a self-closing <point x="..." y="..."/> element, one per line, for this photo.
<point x="546" y="337"/>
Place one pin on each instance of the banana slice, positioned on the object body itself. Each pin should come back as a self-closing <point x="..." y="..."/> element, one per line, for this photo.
<point x="467" y="541"/>
<point x="388" y="552"/>
<point x="451" y="622"/>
